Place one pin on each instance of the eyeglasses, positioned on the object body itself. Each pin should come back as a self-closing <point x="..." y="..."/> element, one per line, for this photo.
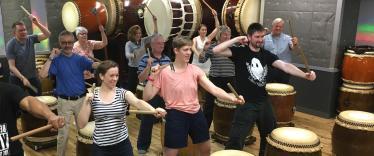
<point x="67" y="42"/>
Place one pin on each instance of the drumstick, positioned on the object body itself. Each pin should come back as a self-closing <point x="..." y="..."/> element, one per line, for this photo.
<point x="88" y="84"/>
<point x="93" y="87"/>
<point x="34" y="131"/>
<point x="27" y="12"/>
<point x="233" y="90"/>
<point x="207" y="5"/>
<point x="95" y="59"/>
<point x="33" y="88"/>
<point x="149" y="10"/>
<point x="305" y="61"/>
<point x="141" y="111"/>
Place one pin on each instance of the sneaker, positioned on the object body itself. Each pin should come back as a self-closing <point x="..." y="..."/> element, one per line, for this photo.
<point x="142" y="151"/>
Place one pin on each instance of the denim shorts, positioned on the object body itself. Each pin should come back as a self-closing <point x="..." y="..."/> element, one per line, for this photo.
<point x="179" y="125"/>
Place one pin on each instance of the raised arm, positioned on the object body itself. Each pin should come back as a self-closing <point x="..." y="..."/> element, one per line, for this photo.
<point x="223" y="48"/>
<point x="45" y="32"/>
<point x="104" y="40"/>
<point x="43" y="73"/>
<point x="216" y="23"/>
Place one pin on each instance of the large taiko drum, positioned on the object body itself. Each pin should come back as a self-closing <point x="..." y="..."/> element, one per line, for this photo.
<point x="353" y="134"/>
<point x="223" y="114"/>
<point x="85" y="139"/>
<point x="82" y="13"/>
<point x="291" y="141"/>
<point x="282" y="97"/>
<point x="231" y="153"/>
<point x="358" y="63"/>
<point x="174" y="17"/>
<point x="190" y="150"/>
<point x="356" y="97"/>
<point x="239" y="14"/>
<point x="29" y="122"/>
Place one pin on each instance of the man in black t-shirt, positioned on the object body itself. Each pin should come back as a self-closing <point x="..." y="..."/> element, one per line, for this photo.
<point x="12" y="99"/>
<point x="252" y="65"/>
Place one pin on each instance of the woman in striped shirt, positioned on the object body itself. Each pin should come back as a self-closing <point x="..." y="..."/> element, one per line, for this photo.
<point x="109" y="105"/>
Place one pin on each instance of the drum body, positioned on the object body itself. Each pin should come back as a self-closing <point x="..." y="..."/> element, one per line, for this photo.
<point x="83" y="13"/>
<point x="353" y="134"/>
<point x="29" y="122"/>
<point x="133" y="14"/>
<point x="282" y="97"/>
<point x="231" y="153"/>
<point x="139" y="90"/>
<point x="223" y="114"/>
<point x="174" y="17"/>
<point x="358" y="68"/>
<point x="47" y="83"/>
<point x="239" y="14"/>
<point x="356" y="97"/>
<point x="85" y="139"/>
<point x="190" y="150"/>
<point x="293" y="141"/>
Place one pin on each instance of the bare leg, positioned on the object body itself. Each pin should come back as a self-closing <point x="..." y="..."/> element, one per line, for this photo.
<point x="170" y="151"/>
<point x="204" y="148"/>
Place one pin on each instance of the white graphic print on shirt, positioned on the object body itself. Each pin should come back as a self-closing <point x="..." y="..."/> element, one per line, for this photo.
<point x="4" y="140"/>
<point x="257" y="72"/>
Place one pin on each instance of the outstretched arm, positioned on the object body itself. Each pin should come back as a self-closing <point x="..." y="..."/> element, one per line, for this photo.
<point x="293" y="70"/>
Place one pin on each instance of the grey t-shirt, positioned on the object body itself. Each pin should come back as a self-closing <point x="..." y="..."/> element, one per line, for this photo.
<point x="23" y="54"/>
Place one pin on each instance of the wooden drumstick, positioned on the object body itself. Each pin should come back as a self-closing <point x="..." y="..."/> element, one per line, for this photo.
<point x="149" y="10"/>
<point x="27" y="12"/>
<point x="305" y="61"/>
<point x="207" y="5"/>
<point x="34" y="131"/>
<point x="88" y="84"/>
<point x="93" y="87"/>
<point x="233" y="90"/>
<point x="95" y="59"/>
<point x="142" y="112"/>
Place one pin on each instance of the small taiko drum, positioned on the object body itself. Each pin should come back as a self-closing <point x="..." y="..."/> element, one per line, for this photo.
<point x="356" y="97"/>
<point x="29" y="122"/>
<point x="139" y="90"/>
<point x="239" y="14"/>
<point x="174" y="17"/>
<point x="223" y="114"/>
<point x="293" y="141"/>
<point x="231" y="153"/>
<point x="85" y="139"/>
<point x="358" y="63"/>
<point x="353" y="134"/>
<point x="82" y="13"/>
<point x="282" y="97"/>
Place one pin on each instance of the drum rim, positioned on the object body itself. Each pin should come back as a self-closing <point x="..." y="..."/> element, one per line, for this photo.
<point x="237" y="16"/>
<point x="199" y="17"/>
<point x="310" y="148"/>
<point x="355" y="90"/>
<point x="77" y="11"/>
<point x="350" y="124"/>
<point x="169" y="18"/>
<point x="237" y="152"/>
<point x="286" y="90"/>
<point x="111" y="23"/>
<point x="52" y="104"/>
<point x="357" y="82"/>
<point x="365" y="54"/>
<point x="224" y="104"/>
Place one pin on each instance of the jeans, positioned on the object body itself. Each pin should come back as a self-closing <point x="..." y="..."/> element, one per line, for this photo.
<point x="244" y="118"/>
<point x="123" y="148"/>
<point x="33" y="81"/>
<point x="208" y="107"/>
<point x="146" y="125"/>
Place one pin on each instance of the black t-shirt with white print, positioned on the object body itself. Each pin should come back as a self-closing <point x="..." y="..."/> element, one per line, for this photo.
<point x="251" y="70"/>
<point x="10" y="97"/>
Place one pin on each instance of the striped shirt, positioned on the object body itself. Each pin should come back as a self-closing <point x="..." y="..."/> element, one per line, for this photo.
<point x="143" y="62"/>
<point x="221" y="66"/>
<point x="110" y="119"/>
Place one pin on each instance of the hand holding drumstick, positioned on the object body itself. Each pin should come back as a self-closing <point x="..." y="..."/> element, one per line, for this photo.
<point x="238" y="98"/>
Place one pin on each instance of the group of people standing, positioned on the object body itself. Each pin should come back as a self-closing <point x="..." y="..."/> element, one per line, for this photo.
<point x="171" y="86"/>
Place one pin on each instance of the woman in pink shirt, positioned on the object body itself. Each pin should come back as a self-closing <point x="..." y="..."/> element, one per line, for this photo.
<point x="177" y="84"/>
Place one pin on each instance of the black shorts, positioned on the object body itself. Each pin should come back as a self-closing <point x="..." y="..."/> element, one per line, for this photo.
<point x="181" y="124"/>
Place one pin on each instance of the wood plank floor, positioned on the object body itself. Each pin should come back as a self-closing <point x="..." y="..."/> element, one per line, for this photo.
<point x="322" y="127"/>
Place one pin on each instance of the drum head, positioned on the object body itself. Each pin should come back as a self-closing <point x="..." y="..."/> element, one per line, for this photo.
<point x="224" y="103"/>
<point x="231" y="153"/>
<point x="70" y="16"/>
<point x="356" y="120"/>
<point x="249" y="13"/>
<point x="294" y="139"/>
<point x="48" y="100"/>
<point x="162" y="10"/>
<point x="279" y="88"/>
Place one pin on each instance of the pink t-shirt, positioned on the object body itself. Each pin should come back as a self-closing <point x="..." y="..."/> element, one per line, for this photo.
<point x="78" y="49"/>
<point x="179" y="90"/>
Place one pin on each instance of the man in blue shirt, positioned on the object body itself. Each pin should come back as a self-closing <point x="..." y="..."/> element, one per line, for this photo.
<point x="21" y="55"/>
<point x="68" y="68"/>
<point x="281" y="45"/>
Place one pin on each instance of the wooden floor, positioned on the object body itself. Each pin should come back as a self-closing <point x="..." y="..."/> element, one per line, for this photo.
<point x="322" y="127"/>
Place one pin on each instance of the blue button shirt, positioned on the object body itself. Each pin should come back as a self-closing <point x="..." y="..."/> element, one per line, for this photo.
<point x="279" y="45"/>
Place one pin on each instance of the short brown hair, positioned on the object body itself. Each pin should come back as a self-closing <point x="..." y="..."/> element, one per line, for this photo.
<point x="180" y="41"/>
<point x="132" y="31"/>
<point x="222" y="29"/>
<point x="104" y="67"/>
<point x="17" y="23"/>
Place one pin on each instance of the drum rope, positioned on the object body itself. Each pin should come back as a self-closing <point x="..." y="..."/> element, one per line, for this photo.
<point x="292" y="147"/>
<point x="354" y="125"/>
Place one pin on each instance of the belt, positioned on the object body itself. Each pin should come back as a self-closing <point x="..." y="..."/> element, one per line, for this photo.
<point x="72" y="97"/>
